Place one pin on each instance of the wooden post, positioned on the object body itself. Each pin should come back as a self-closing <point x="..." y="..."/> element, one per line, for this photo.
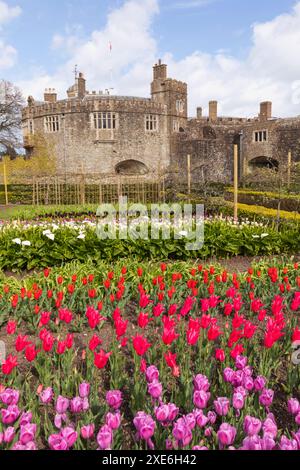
<point x="5" y="181"/>
<point x="189" y="175"/>
<point x="236" y="180"/>
<point x="289" y="169"/>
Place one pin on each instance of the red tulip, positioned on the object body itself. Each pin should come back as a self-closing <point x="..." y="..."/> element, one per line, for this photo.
<point x="31" y="353"/>
<point x="95" y="341"/>
<point x="140" y="344"/>
<point x="220" y="355"/>
<point x="11" y="327"/>
<point x="101" y="359"/>
<point x="9" y="365"/>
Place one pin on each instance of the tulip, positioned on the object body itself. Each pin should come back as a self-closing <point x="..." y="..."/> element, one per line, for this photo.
<point x="62" y="404"/>
<point x="27" y="433"/>
<point x="269" y="426"/>
<point x="70" y="436"/>
<point x="252" y="426"/>
<point x="182" y="433"/>
<point x="226" y="435"/>
<point x="9" y="435"/>
<point x="76" y="405"/>
<point x="201" y="398"/>
<point x="238" y="400"/>
<point x="113" y="420"/>
<point x="155" y="389"/>
<point x="47" y="395"/>
<point x="152" y="374"/>
<point x="293" y="406"/>
<point x="10" y="414"/>
<point x="105" y="437"/>
<point x="222" y="405"/>
<point x="10" y="396"/>
<point x="288" y="444"/>
<point x="201" y="382"/>
<point x="87" y="432"/>
<point x="57" y="442"/>
<point x="266" y="397"/>
<point x="114" y="399"/>
<point x="260" y="383"/>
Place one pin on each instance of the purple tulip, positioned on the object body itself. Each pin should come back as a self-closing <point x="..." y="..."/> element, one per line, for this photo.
<point x="248" y="383"/>
<point x="10" y="414"/>
<point x="152" y="374"/>
<point x="70" y="436"/>
<point x="182" y="433"/>
<point x="226" y="435"/>
<point x="113" y="420"/>
<point x="260" y="383"/>
<point x="62" y="404"/>
<point x="84" y="390"/>
<point x="144" y="425"/>
<point x="201" y="398"/>
<point x="201" y="419"/>
<point x="228" y="374"/>
<point x="27" y="433"/>
<point x="46" y="396"/>
<point x="241" y="362"/>
<point x="288" y="444"/>
<point x="10" y="397"/>
<point x="190" y="420"/>
<point x="9" y="435"/>
<point x="30" y="446"/>
<point x="57" y="442"/>
<point x="293" y="406"/>
<point x="238" y="400"/>
<point x="25" y="418"/>
<point x="114" y="399"/>
<point x="155" y="389"/>
<point x="104" y="438"/>
<point x="269" y="426"/>
<point x="297" y="419"/>
<point x="252" y="426"/>
<point x="266" y="397"/>
<point x="201" y="382"/>
<point x="296" y="436"/>
<point x="76" y="405"/>
<point x="222" y="405"/>
<point x="87" y="432"/>
<point x="162" y="413"/>
<point x="253" y="442"/>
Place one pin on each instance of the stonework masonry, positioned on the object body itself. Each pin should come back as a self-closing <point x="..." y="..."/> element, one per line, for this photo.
<point x="101" y="133"/>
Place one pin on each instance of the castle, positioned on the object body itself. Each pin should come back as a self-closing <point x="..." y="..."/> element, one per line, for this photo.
<point x="100" y="133"/>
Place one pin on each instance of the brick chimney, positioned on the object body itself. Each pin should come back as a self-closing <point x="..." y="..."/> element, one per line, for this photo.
<point x="213" y="110"/>
<point x="50" y="95"/>
<point x="265" y="110"/>
<point x="160" y="71"/>
<point x="199" y="112"/>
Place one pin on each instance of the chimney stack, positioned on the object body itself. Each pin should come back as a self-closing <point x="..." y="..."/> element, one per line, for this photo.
<point x="265" y="110"/>
<point x="50" y="95"/>
<point x="160" y="71"/>
<point x="199" y="112"/>
<point x="213" y="111"/>
<point x="81" y="87"/>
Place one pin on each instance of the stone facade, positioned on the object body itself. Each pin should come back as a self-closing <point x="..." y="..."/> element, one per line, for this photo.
<point x="100" y="133"/>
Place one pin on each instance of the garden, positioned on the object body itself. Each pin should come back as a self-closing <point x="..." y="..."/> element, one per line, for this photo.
<point x="141" y="344"/>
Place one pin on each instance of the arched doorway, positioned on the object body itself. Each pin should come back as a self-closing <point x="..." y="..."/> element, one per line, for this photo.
<point x="261" y="163"/>
<point x="131" y="167"/>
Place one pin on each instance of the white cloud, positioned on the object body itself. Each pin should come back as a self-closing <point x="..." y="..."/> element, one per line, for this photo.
<point x="8" y="13"/>
<point x="8" y="54"/>
<point x="271" y="70"/>
<point x="184" y="5"/>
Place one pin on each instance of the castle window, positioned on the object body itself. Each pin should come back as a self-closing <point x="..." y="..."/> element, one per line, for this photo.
<point x="105" y="120"/>
<point x="31" y="126"/>
<point x="261" y="136"/>
<point x="151" y="122"/>
<point x="52" y="124"/>
<point x="176" y="126"/>
<point x="179" y="106"/>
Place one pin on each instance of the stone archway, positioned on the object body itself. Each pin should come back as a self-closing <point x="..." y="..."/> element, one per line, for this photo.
<point x="263" y="162"/>
<point x="131" y="167"/>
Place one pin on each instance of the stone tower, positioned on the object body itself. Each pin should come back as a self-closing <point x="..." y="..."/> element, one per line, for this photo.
<point x="172" y="94"/>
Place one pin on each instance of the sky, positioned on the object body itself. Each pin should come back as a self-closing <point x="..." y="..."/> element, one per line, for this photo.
<point x="239" y="52"/>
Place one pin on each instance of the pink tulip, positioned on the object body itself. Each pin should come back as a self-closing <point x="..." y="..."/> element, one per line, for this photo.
<point x="27" y="433"/>
<point x="62" y="404"/>
<point x="87" y="432"/>
<point x="84" y="390"/>
<point x="10" y="414"/>
<point x="113" y="420"/>
<point x="269" y="426"/>
<point x="9" y="435"/>
<point x="226" y="435"/>
<point x="114" y="399"/>
<point x="266" y="397"/>
<point x="57" y="442"/>
<point x="46" y="396"/>
<point x="69" y="435"/>
<point x="201" y="398"/>
<point x="10" y="396"/>
<point x="155" y="389"/>
<point x="76" y="405"/>
<point x="152" y="374"/>
<point x="288" y="444"/>
<point x="222" y="405"/>
<point x="104" y="438"/>
<point x="252" y="426"/>
<point x="201" y="382"/>
<point x="293" y="406"/>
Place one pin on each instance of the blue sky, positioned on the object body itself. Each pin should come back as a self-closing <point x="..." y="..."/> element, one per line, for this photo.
<point x="198" y="38"/>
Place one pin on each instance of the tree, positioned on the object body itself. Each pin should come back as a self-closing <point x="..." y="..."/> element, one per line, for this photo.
<point x="11" y="102"/>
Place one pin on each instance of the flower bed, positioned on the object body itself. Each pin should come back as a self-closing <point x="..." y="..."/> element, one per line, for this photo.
<point x="37" y="245"/>
<point x="151" y="356"/>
